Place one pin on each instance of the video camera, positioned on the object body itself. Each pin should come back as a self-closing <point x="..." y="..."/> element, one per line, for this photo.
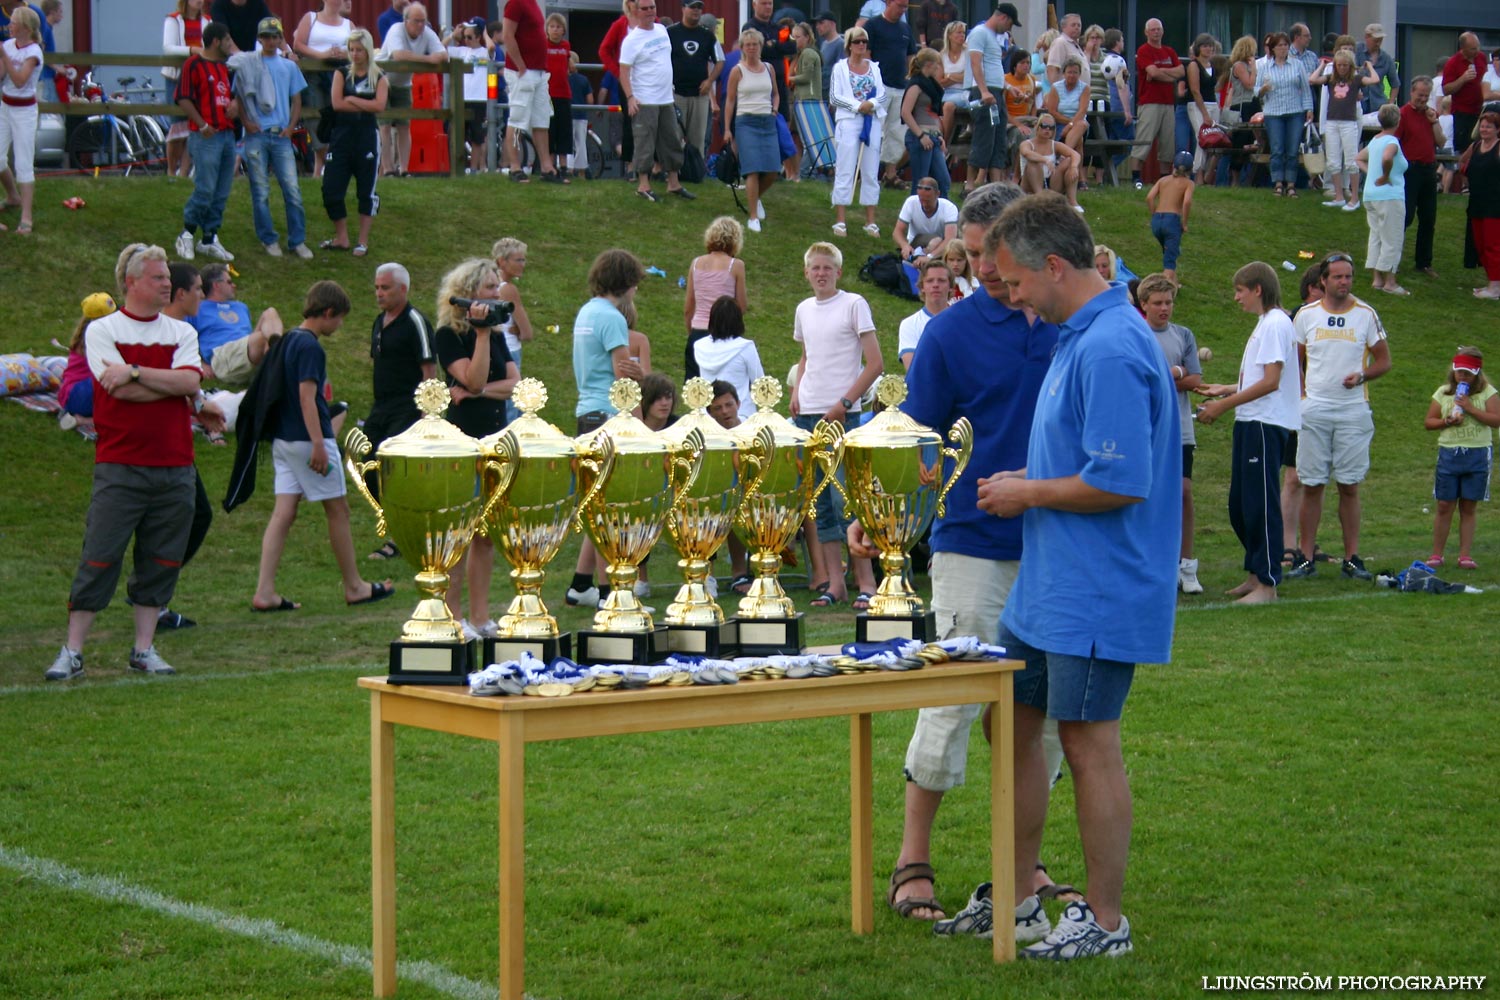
<point x="497" y="312"/>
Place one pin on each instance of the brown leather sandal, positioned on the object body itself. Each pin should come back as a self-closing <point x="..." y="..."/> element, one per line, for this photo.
<point x="911" y="873"/>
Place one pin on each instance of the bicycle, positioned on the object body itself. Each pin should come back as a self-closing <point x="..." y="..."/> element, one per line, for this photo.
<point x="134" y="142"/>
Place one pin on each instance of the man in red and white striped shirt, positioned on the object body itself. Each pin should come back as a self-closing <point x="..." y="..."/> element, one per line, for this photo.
<point x="146" y="375"/>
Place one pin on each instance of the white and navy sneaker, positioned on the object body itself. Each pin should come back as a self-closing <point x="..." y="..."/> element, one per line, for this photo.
<point x="588" y="597"/>
<point x="1187" y="576"/>
<point x="149" y="661"/>
<point x="213" y="248"/>
<point x="1078" y="935"/>
<point x="977" y="918"/>
<point x="67" y="666"/>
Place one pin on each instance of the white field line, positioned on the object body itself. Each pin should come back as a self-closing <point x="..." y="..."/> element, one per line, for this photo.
<point x="267" y="932"/>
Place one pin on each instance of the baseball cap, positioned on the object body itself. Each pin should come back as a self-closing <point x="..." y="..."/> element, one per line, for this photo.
<point x="825" y="15"/>
<point x="269" y="26"/>
<point x="97" y="306"/>
<point x="1375" y="30"/>
<point x="477" y="22"/>
<point x="1182" y="161"/>
<point x="694" y="3"/>
<point x="1009" y="10"/>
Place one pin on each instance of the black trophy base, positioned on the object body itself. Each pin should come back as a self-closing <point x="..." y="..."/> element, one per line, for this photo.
<point x="773" y="636"/>
<point x="438" y="663"/>
<point x="878" y="628"/>
<point x="714" y="641"/>
<point x="546" y="649"/>
<point x="623" y="647"/>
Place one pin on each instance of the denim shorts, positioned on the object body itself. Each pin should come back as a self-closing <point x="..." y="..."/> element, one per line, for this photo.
<point x="1069" y="688"/>
<point x="1462" y="474"/>
<point x="829" y="516"/>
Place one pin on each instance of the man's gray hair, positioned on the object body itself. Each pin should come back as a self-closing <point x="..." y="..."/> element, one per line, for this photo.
<point x="984" y="204"/>
<point x="133" y="259"/>
<point x="397" y="272"/>
<point x="1041" y="226"/>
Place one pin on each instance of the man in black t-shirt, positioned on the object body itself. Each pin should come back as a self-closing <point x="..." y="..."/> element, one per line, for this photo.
<point x="891" y="45"/>
<point x="697" y="59"/>
<point x="773" y="52"/>
<point x="241" y="17"/>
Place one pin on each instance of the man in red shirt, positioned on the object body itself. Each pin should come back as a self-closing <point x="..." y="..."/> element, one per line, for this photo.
<point x="203" y="93"/>
<point x="1461" y="81"/>
<point x="1158" y="69"/>
<point x="1420" y="134"/>
<point x="145" y="369"/>
<point x="530" y="104"/>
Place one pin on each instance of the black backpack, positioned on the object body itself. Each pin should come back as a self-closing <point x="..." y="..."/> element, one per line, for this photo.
<point x="692" y="171"/>
<point x="885" y="270"/>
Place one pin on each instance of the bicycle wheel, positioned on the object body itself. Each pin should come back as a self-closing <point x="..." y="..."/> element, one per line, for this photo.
<point x="151" y="147"/>
<point x="99" y="142"/>
<point x="527" y="157"/>
<point x="595" y="149"/>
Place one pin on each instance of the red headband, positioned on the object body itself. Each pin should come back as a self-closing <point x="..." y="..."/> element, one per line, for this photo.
<point x="1467" y="362"/>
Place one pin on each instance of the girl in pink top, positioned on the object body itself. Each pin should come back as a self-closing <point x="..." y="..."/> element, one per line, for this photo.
<point x="717" y="273"/>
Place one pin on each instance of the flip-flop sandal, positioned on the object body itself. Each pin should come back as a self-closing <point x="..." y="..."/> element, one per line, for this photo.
<point x="911" y="873"/>
<point x="378" y="592"/>
<point x="360" y="250"/>
<point x="741" y="584"/>
<point x="285" y="605"/>
<point x="824" y="600"/>
<point x="519" y="176"/>
<point x="386" y="551"/>
<point x="862" y="602"/>
<point x="330" y="245"/>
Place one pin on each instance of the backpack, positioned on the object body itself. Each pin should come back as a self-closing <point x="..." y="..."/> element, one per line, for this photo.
<point x="887" y="271"/>
<point x="692" y="170"/>
<point x="726" y="170"/>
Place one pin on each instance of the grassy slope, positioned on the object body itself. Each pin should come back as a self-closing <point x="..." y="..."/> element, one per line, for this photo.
<point x="1304" y="774"/>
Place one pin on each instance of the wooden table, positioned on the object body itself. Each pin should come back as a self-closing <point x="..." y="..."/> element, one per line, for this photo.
<point x="515" y="721"/>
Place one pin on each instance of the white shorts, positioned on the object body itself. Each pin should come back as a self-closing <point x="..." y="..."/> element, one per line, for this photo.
<point x="296" y="478"/>
<point x="1334" y="442"/>
<point x="530" y="105"/>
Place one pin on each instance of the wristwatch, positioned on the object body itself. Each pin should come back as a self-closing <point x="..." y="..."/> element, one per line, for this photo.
<point x="135" y="373"/>
<point x="846" y="403"/>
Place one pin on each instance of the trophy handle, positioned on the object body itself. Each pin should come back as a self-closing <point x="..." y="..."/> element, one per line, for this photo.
<point x="600" y="464"/>
<point x="961" y="434"/>
<point x="503" y="468"/>
<point x="687" y="461"/>
<point x="356" y="447"/>
<point x="758" y="456"/>
<point x="827" y="446"/>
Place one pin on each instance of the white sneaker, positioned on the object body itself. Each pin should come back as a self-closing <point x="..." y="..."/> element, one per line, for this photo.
<point x="1187" y="577"/>
<point x="470" y="633"/>
<point x="1353" y="206"/>
<point x="302" y="251"/>
<point x="1334" y="203"/>
<point x="642" y="588"/>
<point x="149" y="661"/>
<point x="66" y="667"/>
<point x="213" y="248"/>
<point x="1078" y="935"/>
<point x="711" y="584"/>
<point x="184" y="245"/>
<point x="753" y="225"/>
<point x="976" y="919"/>
<point x="872" y="230"/>
<point x="272" y="249"/>
<point x="760" y="210"/>
<point x="489" y="630"/>
<point x="1139" y="186"/>
<point x="1031" y="921"/>
<point x="586" y="598"/>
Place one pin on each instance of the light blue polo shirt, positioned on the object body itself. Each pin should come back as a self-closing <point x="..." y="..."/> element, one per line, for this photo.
<point x="1104" y="584"/>
<point x="598" y="330"/>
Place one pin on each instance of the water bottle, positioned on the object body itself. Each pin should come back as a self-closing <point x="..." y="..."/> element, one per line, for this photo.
<point x="1460" y="391"/>
<point x="681" y="281"/>
<point x="995" y="115"/>
<point x="1287" y="265"/>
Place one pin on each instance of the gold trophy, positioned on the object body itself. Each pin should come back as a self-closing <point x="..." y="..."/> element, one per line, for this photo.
<point x="893" y="481"/>
<point x="623" y="515"/>
<point x="430" y="505"/>
<point x="772" y="512"/>
<point x="700" y="524"/>
<point x="529" y="521"/>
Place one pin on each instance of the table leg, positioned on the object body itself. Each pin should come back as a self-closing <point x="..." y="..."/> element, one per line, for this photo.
<point x="512" y="855"/>
<point x="383" y="847"/>
<point x="1003" y="815"/>
<point x="861" y="827"/>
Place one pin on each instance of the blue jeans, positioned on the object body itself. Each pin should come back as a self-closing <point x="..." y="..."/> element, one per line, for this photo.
<point x="1183" y="127"/>
<point x="1284" y="134"/>
<point x="828" y="510"/>
<point x="927" y="163"/>
<point x="1167" y="228"/>
<point x="213" y="175"/>
<point x="264" y="155"/>
<point x="513" y="412"/>
<point x="1117" y="129"/>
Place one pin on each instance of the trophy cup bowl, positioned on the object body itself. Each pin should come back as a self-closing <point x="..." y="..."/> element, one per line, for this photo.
<point x="623" y="515"/>
<point x="893" y="483"/>
<point x="773" y="509"/>
<point x="700" y="524"/>
<point x="430" y="505"/>
<point x="529" y="521"/>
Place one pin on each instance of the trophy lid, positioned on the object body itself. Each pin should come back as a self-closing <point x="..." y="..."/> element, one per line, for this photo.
<point x="890" y="428"/>
<point x="766" y="391"/>
<point x="431" y="436"/>
<point x="534" y="436"/>
<point x="697" y="393"/>
<point x="630" y="434"/>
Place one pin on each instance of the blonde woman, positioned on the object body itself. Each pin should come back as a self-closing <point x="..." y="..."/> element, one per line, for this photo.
<point x="181" y="35"/>
<point x="481" y="375"/>
<point x="921" y="107"/>
<point x="1341" y="84"/>
<point x="1049" y="164"/>
<point x="321" y="34"/>
<point x="360" y="92"/>
<point x="750" y="105"/>
<point x="509" y="254"/>
<point x="858" y="98"/>
<point x="955" y="69"/>
<point x="717" y="273"/>
<point x="20" y="68"/>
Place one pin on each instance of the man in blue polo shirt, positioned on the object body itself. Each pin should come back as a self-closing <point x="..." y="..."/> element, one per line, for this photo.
<point x="983" y="359"/>
<point x="1102" y="482"/>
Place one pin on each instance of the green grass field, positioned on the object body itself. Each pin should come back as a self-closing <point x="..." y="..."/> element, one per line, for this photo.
<point x="1314" y="786"/>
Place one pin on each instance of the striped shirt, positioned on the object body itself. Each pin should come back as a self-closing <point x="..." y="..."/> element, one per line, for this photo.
<point x="206" y="84"/>
<point x="1290" y="93"/>
<point x="153" y="433"/>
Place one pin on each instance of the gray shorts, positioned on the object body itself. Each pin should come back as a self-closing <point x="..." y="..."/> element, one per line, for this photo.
<point x="1334" y="443"/>
<point x="989" y="148"/>
<point x="658" y="139"/>
<point x="294" y="476"/>
<point x="153" y="504"/>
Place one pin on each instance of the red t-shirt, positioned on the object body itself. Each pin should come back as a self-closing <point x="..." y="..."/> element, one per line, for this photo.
<point x="206" y="84"/>
<point x="192" y="32"/>
<point x="531" y="32"/>
<point x="1414" y="132"/>
<point x="1468" y="99"/>
<point x="1155" y="91"/>
<point x="557" y="66"/>
<point x="157" y="433"/>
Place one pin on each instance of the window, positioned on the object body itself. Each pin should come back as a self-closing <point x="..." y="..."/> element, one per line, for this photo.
<point x="1229" y="20"/>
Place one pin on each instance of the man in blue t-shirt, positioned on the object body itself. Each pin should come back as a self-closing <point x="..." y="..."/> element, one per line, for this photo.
<point x="389" y="18"/>
<point x="231" y="350"/>
<point x="891" y="45"/>
<point x="1101" y="486"/>
<point x="985" y="360"/>
<point x="269" y="89"/>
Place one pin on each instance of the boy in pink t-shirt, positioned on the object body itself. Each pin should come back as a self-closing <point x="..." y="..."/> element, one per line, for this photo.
<point x="840" y="360"/>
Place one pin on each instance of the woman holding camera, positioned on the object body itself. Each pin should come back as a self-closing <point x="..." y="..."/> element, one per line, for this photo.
<point x="471" y="349"/>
